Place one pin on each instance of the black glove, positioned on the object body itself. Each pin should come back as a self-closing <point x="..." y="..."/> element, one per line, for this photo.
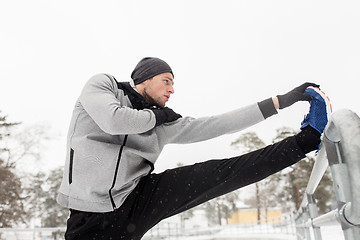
<point x="295" y="95"/>
<point x="164" y="115"/>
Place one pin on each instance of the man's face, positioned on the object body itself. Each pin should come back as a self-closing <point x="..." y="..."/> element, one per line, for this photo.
<point x="158" y="89"/>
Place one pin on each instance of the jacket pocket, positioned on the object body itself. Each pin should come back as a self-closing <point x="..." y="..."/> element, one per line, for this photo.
<point x="71" y="164"/>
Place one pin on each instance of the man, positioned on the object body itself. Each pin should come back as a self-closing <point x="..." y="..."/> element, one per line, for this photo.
<point x="118" y="130"/>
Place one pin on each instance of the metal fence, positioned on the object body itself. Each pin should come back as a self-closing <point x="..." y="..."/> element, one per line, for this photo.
<point x="280" y="225"/>
<point x="340" y="150"/>
<point x="32" y="233"/>
<point x="171" y="231"/>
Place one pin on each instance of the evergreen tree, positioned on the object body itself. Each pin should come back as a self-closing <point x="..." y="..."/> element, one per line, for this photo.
<point x="37" y="195"/>
<point x="293" y="179"/>
<point x="264" y="198"/>
<point x="296" y="178"/>
<point x="286" y="188"/>
<point x="11" y="199"/>
<point x="55" y="214"/>
<point x="250" y="142"/>
<point x="221" y="208"/>
<point x="43" y="200"/>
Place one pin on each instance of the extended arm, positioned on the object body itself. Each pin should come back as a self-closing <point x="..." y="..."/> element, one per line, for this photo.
<point x="188" y="130"/>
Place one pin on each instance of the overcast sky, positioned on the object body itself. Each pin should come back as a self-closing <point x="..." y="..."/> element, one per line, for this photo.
<point x="224" y="54"/>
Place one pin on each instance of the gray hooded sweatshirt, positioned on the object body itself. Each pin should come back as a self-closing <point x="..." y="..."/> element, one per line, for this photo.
<point x="112" y="143"/>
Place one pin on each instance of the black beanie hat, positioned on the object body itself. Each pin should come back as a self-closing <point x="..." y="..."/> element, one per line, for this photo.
<point x="149" y="67"/>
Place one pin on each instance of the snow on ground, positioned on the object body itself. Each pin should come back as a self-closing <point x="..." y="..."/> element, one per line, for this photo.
<point x="328" y="233"/>
<point x="332" y="233"/>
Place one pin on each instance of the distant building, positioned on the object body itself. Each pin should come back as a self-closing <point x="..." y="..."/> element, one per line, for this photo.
<point x="198" y="220"/>
<point x="249" y="216"/>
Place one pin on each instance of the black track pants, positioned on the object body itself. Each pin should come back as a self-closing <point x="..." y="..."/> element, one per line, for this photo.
<point x="159" y="196"/>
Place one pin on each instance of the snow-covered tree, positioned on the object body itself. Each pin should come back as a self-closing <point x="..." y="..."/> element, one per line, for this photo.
<point x="11" y="191"/>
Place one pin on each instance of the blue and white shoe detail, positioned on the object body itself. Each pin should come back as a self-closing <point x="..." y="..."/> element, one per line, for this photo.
<point x="320" y="110"/>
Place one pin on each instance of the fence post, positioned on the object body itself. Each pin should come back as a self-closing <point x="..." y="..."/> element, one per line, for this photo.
<point x="313" y="212"/>
<point x="300" y="230"/>
<point x="305" y="218"/>
<point x="342" y="143"/>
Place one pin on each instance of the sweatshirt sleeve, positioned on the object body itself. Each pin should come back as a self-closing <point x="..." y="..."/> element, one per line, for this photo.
<point x="267" y="107"/>
<point x="190" y="130"/>
<point x="99" y="100"/>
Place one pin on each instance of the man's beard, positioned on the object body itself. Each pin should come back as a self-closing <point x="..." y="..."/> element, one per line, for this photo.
<point x="151" y="100"/>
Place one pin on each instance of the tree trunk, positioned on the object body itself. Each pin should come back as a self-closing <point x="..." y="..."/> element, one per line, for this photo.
<point x="258" y="203"/>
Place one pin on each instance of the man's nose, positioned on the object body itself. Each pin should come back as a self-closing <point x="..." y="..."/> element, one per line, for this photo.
<point x="171" y="90"/>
